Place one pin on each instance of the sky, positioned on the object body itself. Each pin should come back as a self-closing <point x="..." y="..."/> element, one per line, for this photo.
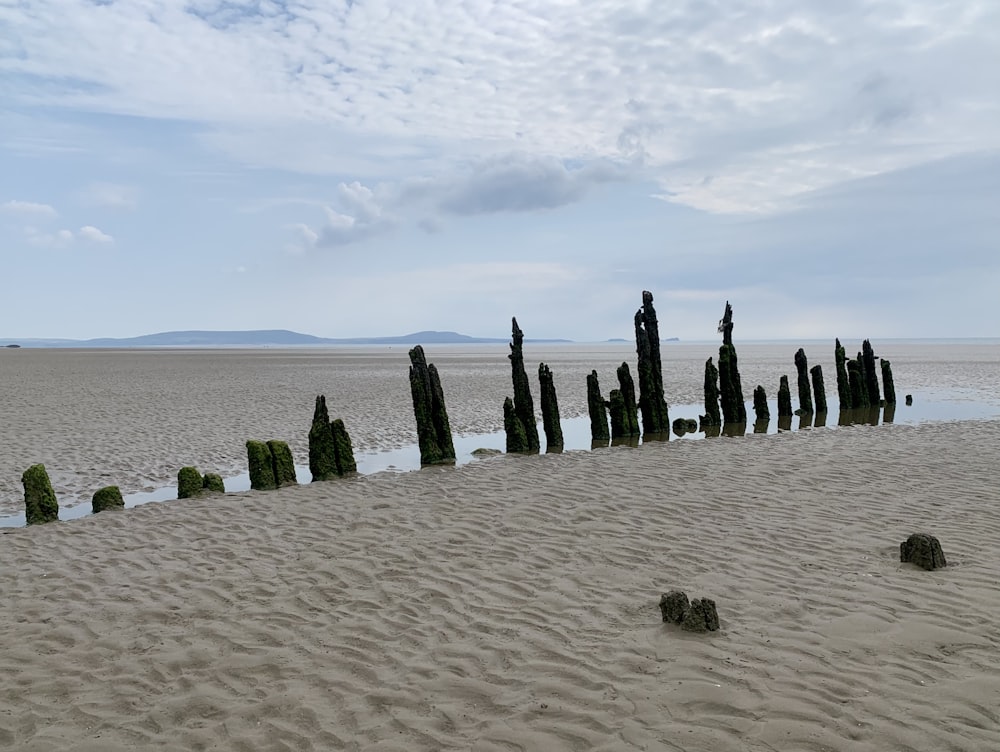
<point x="350" y="168"/>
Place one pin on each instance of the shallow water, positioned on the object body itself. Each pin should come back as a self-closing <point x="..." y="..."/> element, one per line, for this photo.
<point x="931" y="405"/>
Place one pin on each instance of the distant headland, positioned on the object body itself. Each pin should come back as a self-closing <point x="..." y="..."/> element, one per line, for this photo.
<point x="261" y="338"/>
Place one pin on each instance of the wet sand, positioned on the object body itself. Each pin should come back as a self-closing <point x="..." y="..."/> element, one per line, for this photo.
<point x="510" y="603"/>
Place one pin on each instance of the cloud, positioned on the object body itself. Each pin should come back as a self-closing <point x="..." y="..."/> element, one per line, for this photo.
<point x="42" y="239"/>
<point x="736" y="111"/>
<point x="111" y="196"/>
<point x="515" y="185"/>
<point x="92" y="234"/>
<point x="28" y="209"/>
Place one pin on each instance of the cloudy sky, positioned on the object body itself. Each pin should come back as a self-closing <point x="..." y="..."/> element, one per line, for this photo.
<point x="356" y="167"/>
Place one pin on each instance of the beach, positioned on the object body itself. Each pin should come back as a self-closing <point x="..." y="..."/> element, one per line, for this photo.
<point x="508" y="603"/>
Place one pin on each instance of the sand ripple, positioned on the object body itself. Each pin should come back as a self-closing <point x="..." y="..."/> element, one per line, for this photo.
<point x="512" y="605"/>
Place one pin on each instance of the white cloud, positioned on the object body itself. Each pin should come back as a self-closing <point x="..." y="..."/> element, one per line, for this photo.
<point x="92" y="234"/>
<point x="732" y="110"/>
<point x="42" y="239"/>
<point x="29" y="209"/>
<point x="111" y="195"/>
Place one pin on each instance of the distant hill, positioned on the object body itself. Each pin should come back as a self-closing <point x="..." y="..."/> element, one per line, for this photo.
<point x="263" y="338"/>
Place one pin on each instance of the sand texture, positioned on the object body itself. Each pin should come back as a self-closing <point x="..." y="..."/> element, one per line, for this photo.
<point x="133" y="418"/>
<point x="511" y="603"/>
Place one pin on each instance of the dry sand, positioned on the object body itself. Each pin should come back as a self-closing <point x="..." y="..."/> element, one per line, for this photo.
<point x="507" y="604"/>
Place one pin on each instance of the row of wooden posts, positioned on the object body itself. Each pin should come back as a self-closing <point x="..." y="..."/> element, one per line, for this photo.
<point x="331" y="454"/>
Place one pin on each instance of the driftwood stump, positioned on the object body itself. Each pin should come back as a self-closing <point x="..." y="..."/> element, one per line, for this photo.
<point x="923" y="550"/>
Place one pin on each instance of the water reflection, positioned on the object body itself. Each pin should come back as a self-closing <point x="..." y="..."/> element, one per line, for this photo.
<point x="577" y="437"/>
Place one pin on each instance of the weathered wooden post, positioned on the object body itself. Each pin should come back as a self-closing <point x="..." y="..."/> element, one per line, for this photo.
<point x="330" y="451"/>
<point x="433" y="427"/>
<point x="760" y="408"/>
<point x="523" y="405"/>
<point x="734" y="410"/>
<point x="517" y="439"/>
<point x="550" y="410"/>
<point x="888" y="385"/>
<point x="805" y="397"/>
<point x="652" y="404"/>
<point x="109" y="497"/>
<point x="343" y="450"/>
<point x="784" y="399"/>
<point x="597" y="409"/>
<point x="322" y="453"/>
<point x="843" y="380"/>
<point x="213" y="482"/>
<point x="871" y="376"/>
<point x="630" y="417"/>
<point x="261" y="466"/>
<point x="859" y="394"/>
<point x="189" y="483"/>
<point x="819" y="390"/>
<point x="712" y="416"/>
<point x="282" y="463"/>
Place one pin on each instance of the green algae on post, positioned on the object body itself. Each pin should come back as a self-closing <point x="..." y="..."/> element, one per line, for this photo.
<point x="322" y="451"/>
<point x="261" y="466"/>
<point x="40" y="504"/>
<point x="189" y="483"/>
<point x="109" y="497"/>
<point x="630" y="414"/>
<point x="343" y="449"/>
<point x="213" y="483"/>
<point x="517" y="438"/>
<point x="712" y="416"/>
<point x="282" y="463"/>
<point x="433" y="428"/>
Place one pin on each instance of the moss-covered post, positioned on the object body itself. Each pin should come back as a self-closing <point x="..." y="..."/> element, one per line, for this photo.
<point x="859" y="394"/>
<point x="524" y="406"/>
<point x="213" y="482"/>
<point x="805" y="395"/>
<point x="517" y="439"/>
<point x="322" y="452"/>
<point x="40" y="504"/>
<point x="843" y="380"/>
<point x="712" y="416"/>
<point x="261" y="466"/>
<point x="871" y="375"/>
<point x="597" y="409"/>
<point x="282" y="463"/>
<point x="630" y="417"/>
<point x="652" y="404"/>
<point x="109" y="497"/>
<point x="343" y="449"/>
<point x="784" y="399"/>
<point x="888" y="385"/>
<point x="433" y="427"/>
<point x="189" y="483"/>
<point x="819" y="390"/>
<point x="734" y="409"/>
<point x="550" y="410"/>
<point x="760" y="408"/>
